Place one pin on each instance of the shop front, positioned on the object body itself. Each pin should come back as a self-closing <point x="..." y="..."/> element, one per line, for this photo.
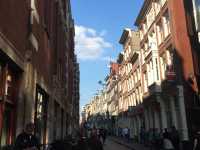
<point x="9" y="85"/>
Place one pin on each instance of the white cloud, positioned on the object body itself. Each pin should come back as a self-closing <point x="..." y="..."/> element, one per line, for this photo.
<point x="90" y="44"/>
<point x="103" y="33"/>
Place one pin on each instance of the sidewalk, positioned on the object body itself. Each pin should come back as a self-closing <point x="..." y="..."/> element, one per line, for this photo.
<point x="131" y="145"/>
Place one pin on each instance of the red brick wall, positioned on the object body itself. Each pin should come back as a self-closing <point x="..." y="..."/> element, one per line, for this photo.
<point x="180" y="37"/>
<point x="14" y="21"/>
<point x="51" y="56"/>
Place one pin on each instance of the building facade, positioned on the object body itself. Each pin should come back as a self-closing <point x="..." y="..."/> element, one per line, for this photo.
<point x="158" y="76"/>
<point x="36" y="52"/>
<point x="170" y="84"/>
<point x="130" y="83"/>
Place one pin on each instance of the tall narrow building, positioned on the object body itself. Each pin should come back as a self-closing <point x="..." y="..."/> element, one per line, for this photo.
<point x="36" y="66"/>
<point x="170" y="65"/>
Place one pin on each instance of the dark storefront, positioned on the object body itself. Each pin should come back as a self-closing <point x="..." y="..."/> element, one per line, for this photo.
<point x="9" y="85"/>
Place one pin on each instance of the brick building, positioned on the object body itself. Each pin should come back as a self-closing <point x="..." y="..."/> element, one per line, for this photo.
<point x="170" y="65"/>
<point x="192" y="23"/>
<point x="159" y="81"/>
<point x="36" y="68"/>
<point x="130" y="87"/>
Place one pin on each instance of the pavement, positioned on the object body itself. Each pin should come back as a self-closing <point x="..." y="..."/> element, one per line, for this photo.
<point x="129" y="145"/>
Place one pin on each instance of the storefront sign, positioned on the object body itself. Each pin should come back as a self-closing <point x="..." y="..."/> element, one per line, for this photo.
<point x="170" y="74"/>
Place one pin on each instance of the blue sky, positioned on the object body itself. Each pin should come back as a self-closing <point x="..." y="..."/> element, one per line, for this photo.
<point x="99" y="25"/>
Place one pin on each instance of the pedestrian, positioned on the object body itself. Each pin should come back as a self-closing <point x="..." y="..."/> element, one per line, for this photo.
<point x="125" y="133"/>
<point x="27" y="140"/>
<point x="94" y="131"/>
<point x="89" y="133"/>
<point x="142" y="135"/>
<point x="151" y="138"/>
<point x="196" y="144"/>
<point x="175" y="137"/>
<point x="101" y="135"/>
<point x="167" y="143"/>
<point x="94" y="143"/>
<point x="104" y="135"/>
<point x="81" y="143"/>
<point x="157" y="140"/>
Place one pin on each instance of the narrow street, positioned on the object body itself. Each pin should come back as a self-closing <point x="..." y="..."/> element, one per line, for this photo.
<point x="111" y="145"/>
<point x="73" y="73"/>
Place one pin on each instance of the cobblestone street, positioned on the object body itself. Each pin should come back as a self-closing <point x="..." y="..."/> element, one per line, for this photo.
<point x="111" y="145"/>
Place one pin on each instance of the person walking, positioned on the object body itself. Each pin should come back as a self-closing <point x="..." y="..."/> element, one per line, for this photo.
<point x="142" y="135"/>
<point x="27" y="140"/>
<point x="167" y="143"/>
<point x="104" y="135"/>
<point x="157" y="140"/>
<point x="94" y="143"/>
<point x="196" y="144"/>
<point x="175" y="137"/>
<point x="125" y="132"/>
<point x="81" y="143"/>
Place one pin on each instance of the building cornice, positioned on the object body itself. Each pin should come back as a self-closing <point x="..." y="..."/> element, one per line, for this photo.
<point x="142" y="12"/>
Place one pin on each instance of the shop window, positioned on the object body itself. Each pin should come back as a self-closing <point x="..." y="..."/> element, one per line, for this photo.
<point x="8" y="91"/>
<point x="6" y="126"/>
<point x="41" y="114"/>
<point x="7" y="105"/>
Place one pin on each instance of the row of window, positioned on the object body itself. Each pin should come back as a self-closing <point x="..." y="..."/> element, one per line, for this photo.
<point x="151" y="15"/>
<point x="156" y="36"/>
<point x="154" y="72"/>
<point x="132" y="100"/>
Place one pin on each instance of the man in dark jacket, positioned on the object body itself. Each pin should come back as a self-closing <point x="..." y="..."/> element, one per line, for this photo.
<point x="27" y="140"/>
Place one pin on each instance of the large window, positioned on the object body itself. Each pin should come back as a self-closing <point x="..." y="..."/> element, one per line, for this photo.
<point x="163" y="62"/>
<point x="166" y="23"/>
<point x="196" y="5"/>
<point x="160" y="32"/>
<point x="157" y="6"/>
<point x="41" y="114"/>
<point x="145" y="82"/>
